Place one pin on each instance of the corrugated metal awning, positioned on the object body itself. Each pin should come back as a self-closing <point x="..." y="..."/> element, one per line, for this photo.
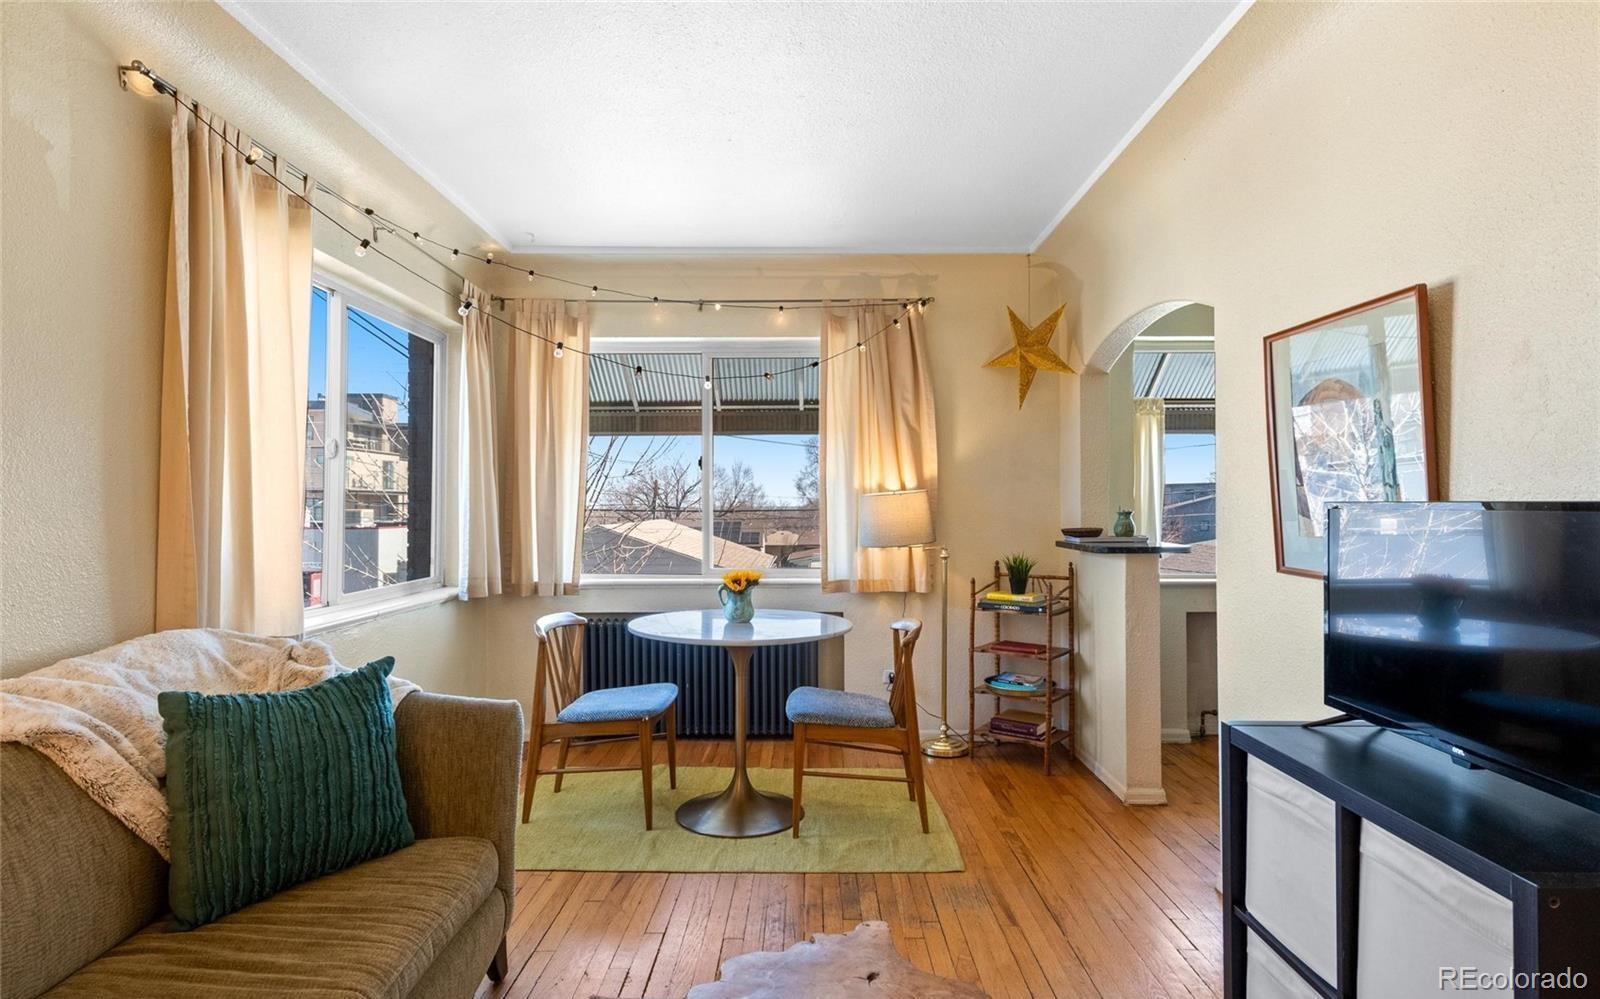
<point x="666" y="398"/>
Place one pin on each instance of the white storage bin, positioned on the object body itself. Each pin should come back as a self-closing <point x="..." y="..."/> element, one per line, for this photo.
<point x="1268" y="976"/>
<point x="1418" y="916"/>
<point x="1289" y="880"/>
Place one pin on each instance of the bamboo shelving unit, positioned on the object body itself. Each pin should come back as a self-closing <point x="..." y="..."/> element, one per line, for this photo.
<point x="1058" y="613"/>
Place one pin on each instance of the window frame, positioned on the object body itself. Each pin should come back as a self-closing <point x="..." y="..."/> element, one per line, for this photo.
<point x="1184" y="344"/>
<point x="339" y="607"/>
<point x="708" y="348"/>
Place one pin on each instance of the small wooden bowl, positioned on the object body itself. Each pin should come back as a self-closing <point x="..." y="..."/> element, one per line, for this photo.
<point x="1082" y="532"/>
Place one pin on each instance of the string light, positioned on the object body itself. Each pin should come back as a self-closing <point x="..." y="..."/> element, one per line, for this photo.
<point x="361" y="247"/>
<point x="767" y="375"/>
<point x="897" y="322"/>
<point x="638" y="371"/>
<point x="560" y="348"/>
<point x="717" y="307"/>
<point x="466" y="306"/>
<point x="531" y="276"/>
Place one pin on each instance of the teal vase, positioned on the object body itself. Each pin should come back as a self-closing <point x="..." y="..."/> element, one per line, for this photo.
<point x="1123" y="528"/>
<point x="738" y="608"/>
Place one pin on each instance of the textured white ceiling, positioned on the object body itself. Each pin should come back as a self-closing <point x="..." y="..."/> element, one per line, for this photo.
<point x="906" y="127"/>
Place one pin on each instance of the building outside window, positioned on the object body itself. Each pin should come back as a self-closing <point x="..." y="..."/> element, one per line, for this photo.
<point x="683" y="481"/>
<point x="373" y="415"/>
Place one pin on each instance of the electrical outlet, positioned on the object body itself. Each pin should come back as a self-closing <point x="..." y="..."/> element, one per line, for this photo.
<point x="888" y="679"/>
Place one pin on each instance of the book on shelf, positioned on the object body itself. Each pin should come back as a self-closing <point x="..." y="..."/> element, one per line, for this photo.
<point x="1009" y="647"/>
<point x="1027" y="683"/>
<point x="1022" y="724"/>
<point x="1137" y="539"/>
<point x="1007" y="597"/>
<point x="1011" y="605"/>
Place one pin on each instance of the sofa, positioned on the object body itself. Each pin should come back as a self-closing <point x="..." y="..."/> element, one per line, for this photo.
<point x="83" y="901"/>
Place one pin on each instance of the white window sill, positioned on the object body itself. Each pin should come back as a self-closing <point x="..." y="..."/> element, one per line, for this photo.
<point x="608" y="582"/>
<point x="1188" y="581"/>
<point x="324" y="619"/>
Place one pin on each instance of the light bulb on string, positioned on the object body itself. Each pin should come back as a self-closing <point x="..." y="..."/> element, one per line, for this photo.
<point x="361" y="247"/>
<point x="638" y="372"/>
<point x="708" y="383"/>
<point x="454" y="254"/>
<point x="594" y="290"/>
<point x="560" y="348"/>
<point x="254" y="155"/>
<point x="767" y="375"/>
<point x="897" y="322"/>
<point x="531" y="276"/>
<point x="465" y="307"/>
<point x="717" y="307"/>
<point x="861" y="345"/>
<point x="418" y="237"/>
<point x="488" y="258"/>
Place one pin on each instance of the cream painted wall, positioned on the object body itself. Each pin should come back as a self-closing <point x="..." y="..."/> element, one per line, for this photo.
<point x="84" y="208"/>
<point x="1179" y="710"/>
<point x="999" y="490"/>
<point x="1327" y="153"/>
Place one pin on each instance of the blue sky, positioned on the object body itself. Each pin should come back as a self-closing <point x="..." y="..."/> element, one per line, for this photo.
<point x="1191" y="457"/>
<point x="376" y="358"/>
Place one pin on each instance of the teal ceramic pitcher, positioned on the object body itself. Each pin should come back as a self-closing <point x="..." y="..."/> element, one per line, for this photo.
<point x="738" y="608"/>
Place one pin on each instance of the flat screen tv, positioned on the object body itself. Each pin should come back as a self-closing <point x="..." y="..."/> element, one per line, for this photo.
<point x="1475" y="626"/>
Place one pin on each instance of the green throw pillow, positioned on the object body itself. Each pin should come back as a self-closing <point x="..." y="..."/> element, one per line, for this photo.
<point x="269" y="790"/>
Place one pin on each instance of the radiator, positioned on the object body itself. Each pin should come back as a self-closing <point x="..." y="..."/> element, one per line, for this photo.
<point x="614" y="658"/>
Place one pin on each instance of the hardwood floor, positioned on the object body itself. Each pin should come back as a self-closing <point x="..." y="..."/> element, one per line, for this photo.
<point x="1066" y="892"/>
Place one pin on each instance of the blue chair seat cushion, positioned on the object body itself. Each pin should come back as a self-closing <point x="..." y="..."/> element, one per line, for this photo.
<point x="816" y="706"/>
<point x="620" y="703"/>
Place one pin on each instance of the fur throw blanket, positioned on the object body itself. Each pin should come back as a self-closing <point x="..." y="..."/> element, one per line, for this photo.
<point x="95" y="716"/>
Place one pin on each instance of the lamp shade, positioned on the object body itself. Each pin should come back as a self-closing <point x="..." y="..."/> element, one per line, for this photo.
<point x="895" y="520"/>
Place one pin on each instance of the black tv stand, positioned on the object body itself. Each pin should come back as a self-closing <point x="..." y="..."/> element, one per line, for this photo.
<point x="1536" y="849"/>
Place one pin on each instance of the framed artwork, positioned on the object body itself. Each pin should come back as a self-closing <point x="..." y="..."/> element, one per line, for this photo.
<point x="1349" y="419"/>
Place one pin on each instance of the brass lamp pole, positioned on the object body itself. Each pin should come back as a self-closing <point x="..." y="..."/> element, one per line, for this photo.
<point x="904" y="519"/>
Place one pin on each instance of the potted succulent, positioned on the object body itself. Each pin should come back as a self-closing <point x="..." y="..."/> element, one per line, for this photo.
<point x="1018" y="569"/>
<point x="734" y="593"/>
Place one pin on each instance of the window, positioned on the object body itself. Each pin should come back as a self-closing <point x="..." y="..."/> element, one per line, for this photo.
<point x="1186" y="380"/>
<point x="654" y="430"/>
<point x="373" y="418"/>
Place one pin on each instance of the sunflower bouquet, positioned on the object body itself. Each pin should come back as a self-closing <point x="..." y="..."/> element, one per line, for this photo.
<point x="740" y="580"/>
<point x="734" y="593"/>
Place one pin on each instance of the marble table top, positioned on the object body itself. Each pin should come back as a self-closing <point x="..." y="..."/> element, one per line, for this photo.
<point x="770" y="627"/>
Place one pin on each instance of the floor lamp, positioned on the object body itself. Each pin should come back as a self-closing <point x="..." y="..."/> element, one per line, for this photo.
<point x="904" y="519"/>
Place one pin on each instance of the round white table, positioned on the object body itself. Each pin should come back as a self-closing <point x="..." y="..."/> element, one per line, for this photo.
<point x="738" y="810"/>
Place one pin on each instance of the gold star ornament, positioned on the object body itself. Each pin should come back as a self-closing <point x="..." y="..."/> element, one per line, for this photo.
<point x="1032" y="352"/>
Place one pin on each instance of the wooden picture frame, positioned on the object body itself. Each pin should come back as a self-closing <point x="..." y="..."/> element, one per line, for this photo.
<point x="1349" y="418"/>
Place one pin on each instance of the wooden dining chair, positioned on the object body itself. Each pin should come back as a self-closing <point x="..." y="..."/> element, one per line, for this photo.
<point x="861" y="721"/>
<point x="612" y="714"/>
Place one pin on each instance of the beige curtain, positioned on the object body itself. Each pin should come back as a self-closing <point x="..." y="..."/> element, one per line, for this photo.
<point x="877" y="433"/>
<point x="233" y="389"/>
<point x="545" y="471"/>
<point x="480" y="501"/>
<point x="1149" y="437"/>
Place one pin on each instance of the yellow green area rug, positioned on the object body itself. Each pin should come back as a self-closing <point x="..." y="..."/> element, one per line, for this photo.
<point x="596" y="823"/>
